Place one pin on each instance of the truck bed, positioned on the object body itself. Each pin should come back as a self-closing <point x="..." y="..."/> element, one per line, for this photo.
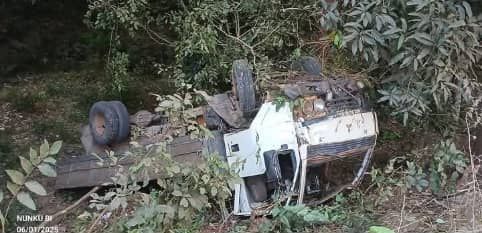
<point x="86" y="171"/>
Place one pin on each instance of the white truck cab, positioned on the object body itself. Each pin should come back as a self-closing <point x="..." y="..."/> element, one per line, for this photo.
<point x="274" y="154"/>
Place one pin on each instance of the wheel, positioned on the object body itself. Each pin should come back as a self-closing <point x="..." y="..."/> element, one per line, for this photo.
<point x="103" y="123"/>
<point x="243" y="86"/>
<point x="307" y="64"/>
<point x="257" y="187"/>
<point x="123" y="116"/>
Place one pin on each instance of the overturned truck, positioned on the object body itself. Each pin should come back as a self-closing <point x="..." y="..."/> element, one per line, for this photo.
<point x="307" y="138"/>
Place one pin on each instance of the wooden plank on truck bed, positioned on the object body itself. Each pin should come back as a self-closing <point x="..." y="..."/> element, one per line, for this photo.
<point x="86" y="171"/>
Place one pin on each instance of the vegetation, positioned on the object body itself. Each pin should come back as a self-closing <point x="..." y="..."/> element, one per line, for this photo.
<point x="22" y="183"/>
<point x="421" y="59"/>
<point x="423" y="54"/>
<point x="426" y="52"/>
<point x="184" y="193"/>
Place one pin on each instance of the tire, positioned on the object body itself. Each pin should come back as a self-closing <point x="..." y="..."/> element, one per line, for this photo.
<point x="307" y="64"/>
<point x="243" y="86"/>
<point x="257" y="187"/>
<point x="103" y="123"/>
<point x="124" y="121"/>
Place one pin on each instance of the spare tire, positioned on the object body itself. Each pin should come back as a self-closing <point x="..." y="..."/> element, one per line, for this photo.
<point x="103" y="123"/>
<point x="243" y="86"/>
<point x="124" y="124"/>
<point x="307" y="64"/>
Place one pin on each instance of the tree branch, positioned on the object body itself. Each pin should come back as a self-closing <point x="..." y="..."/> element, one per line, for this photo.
<point x="71" y="207"/>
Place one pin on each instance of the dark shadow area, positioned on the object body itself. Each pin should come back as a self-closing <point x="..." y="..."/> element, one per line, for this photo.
<point x="44" y="35"/>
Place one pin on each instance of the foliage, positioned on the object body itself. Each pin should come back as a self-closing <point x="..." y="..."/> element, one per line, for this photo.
<point x="117" y="70"/>
<point x="447" y="165"/>
<point x="415" y="178"/>
<point x="389" y="135"/>
<point x="281" y="100"/>
<point x="347" y="211"/>
<point x="378" y="229"/>
<point x="384" y="181"/>
<point x="109" y="15"/>
<point x="426" y="51"/>
<point x="21" y="184"/>
<point x="183" y="193"/>
<point x="182" y="116"/>
<point x="207" y="36"/>
<point x="293" y="219"/>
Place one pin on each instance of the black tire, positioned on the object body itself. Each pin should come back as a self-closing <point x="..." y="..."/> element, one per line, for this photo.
<point x="307" y="64"/>
<point x="124" y="122"/>
<point x="257" y="187"/>
<point x="103" y="123"/>
<point x="243" y="86"/>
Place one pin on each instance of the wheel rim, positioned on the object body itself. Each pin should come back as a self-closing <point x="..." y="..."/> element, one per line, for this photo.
<point x="99" y="123"/>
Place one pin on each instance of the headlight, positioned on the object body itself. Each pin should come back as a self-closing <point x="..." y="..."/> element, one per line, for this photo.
<point x="319" y="105"/>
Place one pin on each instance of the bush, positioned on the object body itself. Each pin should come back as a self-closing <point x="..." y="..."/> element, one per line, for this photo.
<point x="182" y="194"/>
<point x="208" y="35"/>
<point x="425" y="52"/>
<point x="22" y="183"/>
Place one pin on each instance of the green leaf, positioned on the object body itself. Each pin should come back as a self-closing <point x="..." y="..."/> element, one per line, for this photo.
<point x="423" y="38"/>
<point x="177" y="193"/>
<point x="468" y="9"/>
<point x="2" y="221"/>
<point x="440" y="221"/>
<point x="397" y="58"/>
<point x="26" y="200"/>
<point x="214" y="191"/>
<point x="400" y="42"/>
<point x="184" y="203"/>
<point x="135" y="221"/>
<point x="16" y="176"/>
<point x="285" y="221"/>
<point x="338" y="39"/>
<point x="457" y="24"/>
<point x="50" y="160"/>
<point x="377" y="229"/>
<point x="26" y="165"/>
<point x="55" y="148"/>
<point x="391" y="31"/>
<point x="44" y="149"/>
<point x="354" y="47"/>
<point x="47" y="170"/>
<point x="13" y="188"/>
<point x="33" y="157"/>
<point x="1" y="196"/>
<point x="36" y="187"/>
